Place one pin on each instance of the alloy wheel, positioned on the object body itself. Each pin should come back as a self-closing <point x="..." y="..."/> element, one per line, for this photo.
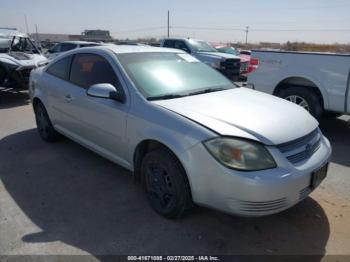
<point x="299" y="101"/>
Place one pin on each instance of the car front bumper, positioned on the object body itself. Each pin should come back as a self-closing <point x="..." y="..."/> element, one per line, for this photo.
<point x="256" y="193"/>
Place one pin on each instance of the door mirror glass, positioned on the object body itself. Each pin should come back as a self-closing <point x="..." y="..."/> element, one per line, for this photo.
<point x="105" y="90"/>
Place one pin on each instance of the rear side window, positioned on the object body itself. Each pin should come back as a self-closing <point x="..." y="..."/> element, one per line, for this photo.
<point x="182" y="46"/>
<point x="56" y="48"/>
<point x="88" y="45"/>
<point x="169" y="43"/>
<point x="60" y="69"/>
<point x="67" y="46"/>
<point x="91" y="69"/>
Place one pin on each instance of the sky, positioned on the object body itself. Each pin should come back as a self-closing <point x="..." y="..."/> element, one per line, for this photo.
<point x="317" y="21"/>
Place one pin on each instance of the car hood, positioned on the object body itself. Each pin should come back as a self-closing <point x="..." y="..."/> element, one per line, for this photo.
<point x="217" y="55"/>
<point x="25" y="60"/>
<point x="242" y="112"/>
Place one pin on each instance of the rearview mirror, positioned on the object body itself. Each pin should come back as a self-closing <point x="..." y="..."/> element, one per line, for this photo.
<point x="105" y="90"/>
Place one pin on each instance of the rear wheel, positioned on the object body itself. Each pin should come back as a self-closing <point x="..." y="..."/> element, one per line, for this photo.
<point x="44" y="125"/>
<point x="305" y="98"/>
<point x="166" y="184"/>
<point x="332" y="114"/>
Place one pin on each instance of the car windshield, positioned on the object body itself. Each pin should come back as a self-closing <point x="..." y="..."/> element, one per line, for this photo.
<point x="201" y="46"/>
<point x="229" y="50"/>
<point x="170" y="75"/>
<point x="23" y="44"/>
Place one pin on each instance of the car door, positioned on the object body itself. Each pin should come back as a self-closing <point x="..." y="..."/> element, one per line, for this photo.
<point x="98" y="123"/>
<point x="55" y="81"/>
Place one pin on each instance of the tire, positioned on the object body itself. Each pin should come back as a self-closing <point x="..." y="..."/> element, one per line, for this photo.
<point x="301" y="95"/>
<point x="332" y="114"/>
<point x="165" y="183"/>
<point x="44" y="125"/>
<point x="2" y="76"/>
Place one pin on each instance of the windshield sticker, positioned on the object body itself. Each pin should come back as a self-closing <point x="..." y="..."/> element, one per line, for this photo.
<point x="188" y="58"/>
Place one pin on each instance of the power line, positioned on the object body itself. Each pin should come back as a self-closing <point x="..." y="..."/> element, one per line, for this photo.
<point x="209" y="28"/>
<point x="258" y="29"/>
<point x="300" y="30"/>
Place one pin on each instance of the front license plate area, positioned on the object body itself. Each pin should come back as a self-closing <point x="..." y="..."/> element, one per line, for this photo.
<point x="318" y="176"/>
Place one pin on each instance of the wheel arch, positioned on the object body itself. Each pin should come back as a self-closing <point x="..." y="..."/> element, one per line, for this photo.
<point x="148" y="145"/>
<point x="298" y="81"/>
<point x="36" y="101"/>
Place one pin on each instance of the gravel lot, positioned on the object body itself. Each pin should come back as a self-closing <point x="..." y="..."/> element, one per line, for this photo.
<point x="63" y="199"/>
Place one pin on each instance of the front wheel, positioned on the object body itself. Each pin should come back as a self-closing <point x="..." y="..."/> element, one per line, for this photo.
<point x="305" y="98"/>
<point x="44" y="125"/>
<point x="166" y="183"/>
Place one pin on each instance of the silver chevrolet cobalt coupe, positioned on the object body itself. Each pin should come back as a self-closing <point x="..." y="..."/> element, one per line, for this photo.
<point x="184" y="130"/>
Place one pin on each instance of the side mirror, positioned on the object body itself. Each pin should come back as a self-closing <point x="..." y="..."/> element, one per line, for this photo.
<point x="105" y="90"/>
<point x="186" y="50"/>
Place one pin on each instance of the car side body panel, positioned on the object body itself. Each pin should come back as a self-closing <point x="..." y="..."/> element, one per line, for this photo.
<point x="328" y="72"/>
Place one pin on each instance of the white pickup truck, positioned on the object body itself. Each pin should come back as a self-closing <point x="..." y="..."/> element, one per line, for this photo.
<point x="319" y="82"/>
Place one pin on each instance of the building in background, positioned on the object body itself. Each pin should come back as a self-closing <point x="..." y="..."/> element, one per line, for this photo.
<point x="54" y="38"/>
<point x="96" y="36"/>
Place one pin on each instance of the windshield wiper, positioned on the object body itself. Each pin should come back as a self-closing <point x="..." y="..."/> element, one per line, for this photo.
<point x="164" y="97"/>
<point x="209" y="90"/>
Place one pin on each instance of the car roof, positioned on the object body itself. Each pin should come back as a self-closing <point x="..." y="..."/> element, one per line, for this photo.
<point x="79" y="42"/>
<point x="182" y="38"/>
<point x="123" y="49"/>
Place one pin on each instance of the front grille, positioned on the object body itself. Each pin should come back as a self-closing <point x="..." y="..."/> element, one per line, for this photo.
<point x="265" y="206"/>
<point x="231" y="64"/>
<point x="307" y="153"/>
<point x="301" y="149"/>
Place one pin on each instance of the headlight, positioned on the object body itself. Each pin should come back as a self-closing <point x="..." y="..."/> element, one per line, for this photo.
<point x="240" y="154"/>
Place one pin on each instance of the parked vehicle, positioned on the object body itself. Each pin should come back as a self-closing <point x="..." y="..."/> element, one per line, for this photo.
<point x="18" y="56"/>
<point x="318" y="82"/>
<point x="228" y="64"/>
<point x="245" y="52"/>
<point x="66" y="46"/>
<point x="245" y="60"/>
<point x="183" y="128"/>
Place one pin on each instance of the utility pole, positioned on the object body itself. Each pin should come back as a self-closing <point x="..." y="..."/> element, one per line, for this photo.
<point x="25" y="20"/>
<point x="168" y="23"/>
<point x="36" y="32"/>
<point x="246" y="35"/>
